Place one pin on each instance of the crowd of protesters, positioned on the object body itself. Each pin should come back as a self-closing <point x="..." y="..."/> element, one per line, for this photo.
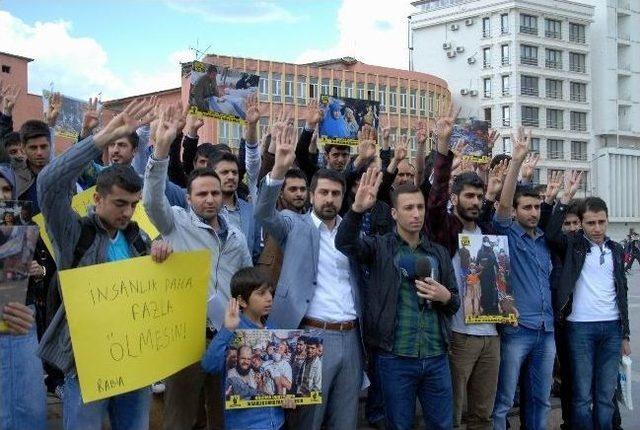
<point x="325" y="241"/>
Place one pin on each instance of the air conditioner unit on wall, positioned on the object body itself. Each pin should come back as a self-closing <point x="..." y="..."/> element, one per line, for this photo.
<point x="451" y="54"/>
<point x="446" y="46"/>
<point x="471" y="60"/>
<point x="473" y="93"/>
<point x="469" y="21"/>
<point x="454" y="27"/>
<point x="464" y="91"/>
<point x="459" y="49"/>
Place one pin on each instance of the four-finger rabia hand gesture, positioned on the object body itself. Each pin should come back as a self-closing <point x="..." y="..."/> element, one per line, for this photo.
<point x="285" y="138"/>
<point x="444" y="128"/>
<point x="367" y="193"/>
<point x="384" y="127"/>
<point x="313" y="114"/>
<point x="232" y="315"/>
<point x="521" y="143"/>
<point x="493" y="136"/>
<point x="167" y="128"/>
<point x="400" y="150"/>
<point x="529" y="166"/>
<point x="496" y="178"/>
<point x="252" y="112"/>
<point x="55" y="103"/>
<point x="91" y="117"/>
<point x="136" y="114"/>
<point x="422" y="133"/>
<point x="10" y="94"/>
<point x="554" y="183"/>
<point x="571" y="186"/>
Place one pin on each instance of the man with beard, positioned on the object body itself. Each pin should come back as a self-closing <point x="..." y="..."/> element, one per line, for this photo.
<point x="475" y="348"/>
<point x="232" y="357"/>
<point x="293" y="197"/>
<point x="241" y="380"/>
<point x="280" y="370"/>
<point x="297" y="361"/>
<point x="317" y="288"/>
<point x="311" y="371"/>
<point x="486" y="258"/>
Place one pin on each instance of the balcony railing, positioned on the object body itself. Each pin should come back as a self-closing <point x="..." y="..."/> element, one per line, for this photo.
<point x="553" y="34"/>
<point x="525" y="91"/>
<point x="577" y="38"/>
<point x="529" y="61"/>
<point x="530" y="122"/>
<point x="579" y="68"/>
<point x="486" y="64"/>
<point x="528" y="30"/>
<point x="579" y="156"/>
<point x="487" y="94"/>
<point x="553" y="64"/>
<point x="506" y="122"/>
<point x="557" y="125"/>
<point x="578" y="98"/>
<point x="506" y="92"/>
<point x="504" y="30"/>
<point x="486" y="33"/>
<point x="555" y="155"/>
<point x="578" y="126"/>
<point x="554" y="94"/>
<point x="506" y="61"/>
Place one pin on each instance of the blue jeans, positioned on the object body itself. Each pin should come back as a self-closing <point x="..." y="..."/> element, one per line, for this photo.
<point x="535" y="349"/>
<point x="128" y="411"/>
<point x="594" y="348"/>
<point x="23" y="396"/>
<point x="374" y="407"/>
<point x="402" y="379"/>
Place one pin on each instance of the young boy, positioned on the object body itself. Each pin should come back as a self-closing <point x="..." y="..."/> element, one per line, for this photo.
<point x="252" y="297"/>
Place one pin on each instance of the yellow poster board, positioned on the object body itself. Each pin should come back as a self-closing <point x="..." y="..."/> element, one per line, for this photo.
<point x="134" y="322"/>
<point x="81" y="203"/>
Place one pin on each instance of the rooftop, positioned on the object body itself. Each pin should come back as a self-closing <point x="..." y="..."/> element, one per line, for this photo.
<point x="16" y="56"/>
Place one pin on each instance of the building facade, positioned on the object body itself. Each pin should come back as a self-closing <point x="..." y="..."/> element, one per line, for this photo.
<point x="516" y="62"/>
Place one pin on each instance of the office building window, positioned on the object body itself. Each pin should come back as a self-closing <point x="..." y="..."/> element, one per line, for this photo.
<point x="530" y="116"/>
<point x="528" y="24"/>
<point x="555" y="149"/>
<point x="553" y="59"/>
<point x="578" y="92"/>
<point x="577" y="62"/>
<point x="555" y="119"/>
<point x="486" y="27"/>
<point x="534" y="145"/>
<point x="506" y="116"/>
<point x="529" y="55"/>
<point x="504" y="23"/>
<point x="577" y="33"/>
<point x="487" y="87"/>
<point x="553" y="28"/>
<point x="554" y="89"/>
<point x="578" y="150"/>
<point x="529" y="85"/>
<point x="486" y="58"/>
<point x="506" y="58"/>
<point x="578" y="121"/>
<point x="506" y="85"/>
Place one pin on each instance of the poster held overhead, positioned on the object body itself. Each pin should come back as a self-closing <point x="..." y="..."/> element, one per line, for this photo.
<point x="344" y="117"/>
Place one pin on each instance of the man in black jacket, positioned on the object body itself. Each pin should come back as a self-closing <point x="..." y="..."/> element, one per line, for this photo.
<point x="407" y="312"/>
<point x="591" y="296"/>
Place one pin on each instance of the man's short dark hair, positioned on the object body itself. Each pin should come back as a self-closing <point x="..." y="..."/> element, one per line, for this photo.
<point x="593" y="204"/>
<point x="11" y="139"/>
<point x="407" y="188"/>
<point x="33" y="129"/>
<point x="199" y="173"/>
<point x="221" y="156"/>
<point x="206" y="150"/>
<point x="540" y="189"/>
<point x="245" y="281"/>
<point x="466" y="179"/>
<point x="313" y="341"/>
<point x="120" y="175"/>
<point x="133" y="139"/>
<point x="574" y="207"/>
<point x="498" y="159"/>
<point x="524" y="191"/>
<point x="295" y="174"/>
<point x="329" y="147"/>
<point x="329" y="174"/>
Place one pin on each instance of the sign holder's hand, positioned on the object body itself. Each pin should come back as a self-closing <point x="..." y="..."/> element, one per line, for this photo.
<point x="19" y="318"/>
<point x="232" y="315"/>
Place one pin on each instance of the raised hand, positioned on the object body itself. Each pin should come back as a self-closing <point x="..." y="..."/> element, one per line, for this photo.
<point x="252" y="111"/>
<point x="521" y="143"/>
<point x="554" y="183"/>
<point x="10" y="95"/>
<point x="367" y="193"/>
<point x="571" y="186"/>
<point x="313" y="114"/>
<point x="285" y="137"/>
<point x="193" y="124"/>
<point x="422" y="133"/>
<point x="91" y="117"/>
<point x="55" y="103"/>
<point x="493" y="136"/>
<point x="232" y="315"/>
<point x="384" y="127"/>
<point x="167" y="129"/>
<point x="136" y="114"/>
<point x="444" y="128"/>
<point x="495" y="181"/>
<point x="400" y="150"/>
<point x="529" y="166"/>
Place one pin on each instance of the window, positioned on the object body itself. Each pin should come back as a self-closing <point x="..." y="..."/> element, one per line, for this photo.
<point x="6" y="69"/>
<point x="553" y="28"/>
<point x="504" y="23"/>
<point x="324" y="89"/>
<point x="301" y="89"/>
<point x="534" y="145"/>
<point x="229" y="134"/>
<point x="487" y="87"/>
<point x="371" y="95"/>
<point x="382" y="97"/>
<point x="536" y="177"/>
<point x="578" y="92"/>
<point x="412" y="101"/>
<point x="578" y="121"/>
<point x="486" y="27"/>
<point x="578" y="150"/>
<point x="276" y="86"/>
<point x="529" y="85"/>
<point x="313" y="91"/>
<point x="361" y="91"/>
<point x="555" y="149"/>
<point x="486" y="58"/>
<point x="336" y="91"/>
<point x="530" y="116"/>
<point x="554" y="89"/>
<point x="403" y="100"/>
<point x="528" y="24"/>
<point x="264" y="86"/>
<point x="393" y="99"/>
<point x="348" y="90"/>
<point x="577" y="62"/>
<point x="487" y="114"/>
<point x="432" y="104"/>
<point x="529" y="55"/>
<point x="288" y="88"/>
<point x="506" y="85"/>
<point x="506" y="116"/>
<point x="506" y="145"/>
<point x="577" y="33"/>
<point x="553" y="59"/>
<point x="423" y="104"/>
<point x="504" y="50"/>
<point x="555" y="119"/>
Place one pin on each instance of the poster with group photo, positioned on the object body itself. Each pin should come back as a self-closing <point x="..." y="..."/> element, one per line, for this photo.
<point x="15" y="212"/>
<point x="17" y="247"/>
<point x="69" y="123"/>
<point x="219" y="92"/>
<point x="487" y="297"/>
<point x="266" y="366"/>
<point x="475" y="134"/>
<point x="344" y="117"/>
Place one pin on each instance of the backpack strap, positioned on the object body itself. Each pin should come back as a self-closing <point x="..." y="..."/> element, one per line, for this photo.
<point x="87" y="236"/>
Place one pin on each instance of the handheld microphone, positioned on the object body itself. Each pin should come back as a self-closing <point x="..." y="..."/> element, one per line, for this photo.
<point x="423" y="269"/>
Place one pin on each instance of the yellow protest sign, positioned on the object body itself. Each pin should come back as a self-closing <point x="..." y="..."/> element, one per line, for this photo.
<point x="81" y="203"/>
<point x="134" y="322"/>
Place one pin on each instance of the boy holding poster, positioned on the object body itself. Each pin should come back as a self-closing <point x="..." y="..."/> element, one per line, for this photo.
<point x="251" y="301"/>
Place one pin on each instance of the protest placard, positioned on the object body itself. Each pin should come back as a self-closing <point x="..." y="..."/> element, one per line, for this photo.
<point x="219" y="92"/>
<point x="487" y="296"/>
<point x="17" y="246"/>
<point x="69" y="123"/>
<point x="344" y="117"/>
<point x="16" y="212"/>
<point x="475" y="135"/>
<point x="81" y="203"/>
<point x="134" y="322"/>
<point x="266" y="366"/>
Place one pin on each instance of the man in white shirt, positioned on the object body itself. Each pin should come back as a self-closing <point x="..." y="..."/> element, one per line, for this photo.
<point x="591" y="296"/>
<point x="317" y="289"/>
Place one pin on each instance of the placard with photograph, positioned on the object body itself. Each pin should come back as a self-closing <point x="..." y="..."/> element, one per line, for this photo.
<point x="69" y="123"/>
<point x="344" y="117"/>
<point x="266" y="366"/>
<point x="475" y="134"/>
<point x="487" y="296"/>
<point x="219" y="92"/>
<point x="16" y="212"/>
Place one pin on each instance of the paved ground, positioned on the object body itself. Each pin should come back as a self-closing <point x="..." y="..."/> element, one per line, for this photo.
<point x="630" y="419"/>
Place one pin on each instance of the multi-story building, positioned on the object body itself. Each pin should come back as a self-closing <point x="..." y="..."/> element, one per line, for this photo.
<point x="405" y="97"/>
<point x="616" y="107"/>
<point x="515" y="62"/>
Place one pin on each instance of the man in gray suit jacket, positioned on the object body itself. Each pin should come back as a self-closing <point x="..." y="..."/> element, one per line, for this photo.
<point x="317" y="289"/>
